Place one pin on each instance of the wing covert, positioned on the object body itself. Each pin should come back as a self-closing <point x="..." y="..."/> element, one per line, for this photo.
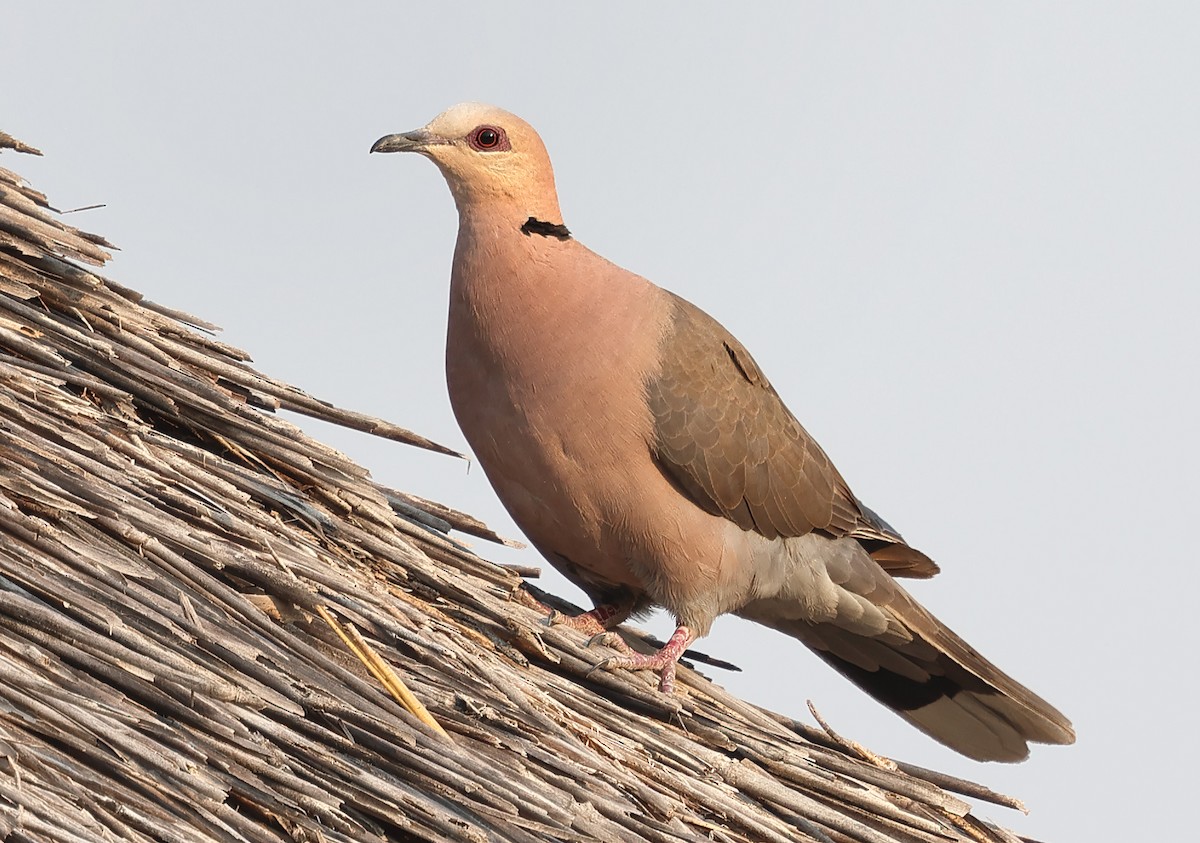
<point x="727" y="440"/>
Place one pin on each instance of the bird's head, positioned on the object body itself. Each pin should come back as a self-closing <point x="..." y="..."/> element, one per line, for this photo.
<point x="487" y="155"/>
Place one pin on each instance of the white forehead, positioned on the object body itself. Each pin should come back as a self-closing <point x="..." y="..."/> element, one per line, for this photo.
<point x="460" y="119"/>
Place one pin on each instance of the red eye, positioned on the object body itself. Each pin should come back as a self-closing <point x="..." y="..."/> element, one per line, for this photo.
<point x="488" y="137"/>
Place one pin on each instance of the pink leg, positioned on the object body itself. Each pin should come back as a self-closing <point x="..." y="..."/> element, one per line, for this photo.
<point x="597" y="621"/>
<point x="663" y="661"/>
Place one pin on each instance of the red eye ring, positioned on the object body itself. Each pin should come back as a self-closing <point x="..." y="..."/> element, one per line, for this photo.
<point x="488" y="138"/>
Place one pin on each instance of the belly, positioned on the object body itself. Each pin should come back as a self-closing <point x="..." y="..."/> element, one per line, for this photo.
<point x="595" y="504"/>
<point x="565" y="462"/>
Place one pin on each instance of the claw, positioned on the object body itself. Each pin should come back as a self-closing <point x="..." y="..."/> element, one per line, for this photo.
<point x="610" y="639"/>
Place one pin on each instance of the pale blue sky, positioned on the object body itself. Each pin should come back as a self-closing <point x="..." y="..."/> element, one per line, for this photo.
<point x="961" y="240"/>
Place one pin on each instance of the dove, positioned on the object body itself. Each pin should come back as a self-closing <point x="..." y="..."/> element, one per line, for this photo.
<point x="643" y="451"/>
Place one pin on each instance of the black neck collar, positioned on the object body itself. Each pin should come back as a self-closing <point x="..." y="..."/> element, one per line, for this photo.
<point x="546" y="229"/>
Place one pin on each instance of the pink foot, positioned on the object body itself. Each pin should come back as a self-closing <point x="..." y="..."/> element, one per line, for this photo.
<point x="663" y="661"/>
<point x="597" y="623"/>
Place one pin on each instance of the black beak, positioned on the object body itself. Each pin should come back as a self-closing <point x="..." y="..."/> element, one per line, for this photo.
<point x="414" y="141"/>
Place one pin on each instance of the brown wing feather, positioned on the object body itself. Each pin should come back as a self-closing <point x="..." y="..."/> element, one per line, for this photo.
<point x="727" y="440"/>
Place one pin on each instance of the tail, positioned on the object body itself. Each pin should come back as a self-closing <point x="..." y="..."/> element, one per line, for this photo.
<point x="937" y="682"/>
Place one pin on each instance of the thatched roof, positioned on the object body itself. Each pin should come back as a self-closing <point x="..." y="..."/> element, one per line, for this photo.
<point x="178" y="566"/>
